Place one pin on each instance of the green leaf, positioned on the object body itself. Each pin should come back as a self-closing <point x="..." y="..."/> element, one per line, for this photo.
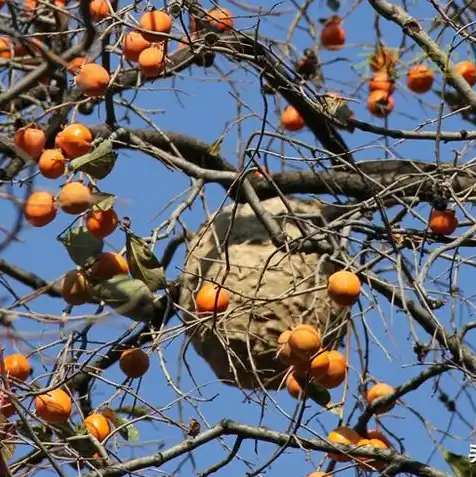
<point x="82" y="247"/>
<point x="98" y="163"/>
<point x="130" y="432"/>
<point x="102" y="200"/>
<point x="315" y="391"/>
<point x="143" y="264"/>
<point x="127" y="296"/>
<point x="333" y="5"/>
<point x="459" y="464"/>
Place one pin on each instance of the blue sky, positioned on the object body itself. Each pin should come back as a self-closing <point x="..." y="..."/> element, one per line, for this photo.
<point x="144" y="187"/>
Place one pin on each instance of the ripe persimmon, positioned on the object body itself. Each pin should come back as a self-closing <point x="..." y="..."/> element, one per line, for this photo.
<point x="382" y="59"/>
<point x="99" y="10"/>
<point x="93" y="80"/>
<point x="151" y="61"/>
<point x="342" y="435"/>
<point x="376" y="434"/>
<point x="32" y="140"/>
<point x="158" y="23"/>
<point x="467" y="70"/>
<point x="293" y="386"/>
<point x="319" y="366"/>
<point x="30" y="6"/>
<point x="54" y="406"/>
<point x="5" y="47"/>
<point x="305" y="341"/>
<point x="333" y="33"/>
<point x="221" y="19"/>
<point x="318" y="474"/>
<point x="40" y="209"/>
<point x="291" y="120"/>
<point x="285" y="353"/>
<point x="443" y="222"/>
<point x="6" y="406"/>
<point x="101" y="223"/>
<point x="420" y="79"/>
<point x="74" y="140"/>
<point x="134" y="363"/>
<point x="208" y="295"/>
<point x="380" y="103"/>
<point x="133" y="45"/>
<point x="16" y="365"/>
<point x="336" y="372"/>
<point x="344" y="288"/>
<point x="98" y="426"/>
<point x="74" y="288"/>
<point x="370" y="462"/>
<point x="74" y="198"/>
<point x="75" y="65"/>
<point x="377" y="391"/>
<point x="382" y="81"/>
<point x="52" y="163"/>
<point x="108" y="265"/>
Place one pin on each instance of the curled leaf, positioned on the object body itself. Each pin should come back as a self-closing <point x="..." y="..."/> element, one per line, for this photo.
<point x="127" y="296"/>
<point x="82" y="247"/>
<point x="98" y="163"/>
<point x="143" y="264"/>
<point x="102" y="200"/>
<point x="460" y="464"/>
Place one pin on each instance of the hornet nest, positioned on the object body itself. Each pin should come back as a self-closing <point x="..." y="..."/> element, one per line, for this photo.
<point x="270" y="291"/>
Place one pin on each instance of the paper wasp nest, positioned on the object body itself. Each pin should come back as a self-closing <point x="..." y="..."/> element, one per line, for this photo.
<point x="270" y="292"/>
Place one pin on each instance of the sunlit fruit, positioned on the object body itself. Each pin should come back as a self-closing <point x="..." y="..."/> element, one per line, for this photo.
<point x="380" y="103"/>
<point x="333" y="34"/>
<point x="54" y="406"/>
<point x="74" y="140"/>
<point x="98" y="426"/>
<point x="369" y="463"/>
<point x="382" y="81"/>
<point x="212" y="298"/>
<point x="158" y="23"/>
<point x="305" y="341"/>
<point x="74" y="198"/>
<point x="376" y="434"/>
<point x="52" y="163"/>
<point x="443" y="222"/>
<point x="75" y="65"/>
<point x="420" y="79"/>
<point x="101" y="223"/>
<point x="17" y="366"/>
<point x="293" y="387"/>
<point x="40" y="209"/>
<point x="342" y="435"/>
<point x="467" y="70"/>
<point x="98" y="9"/>
<point x="221" y="19"/>
<point x="336" y="372"/>
<point x="134" y="363"/>
<point x="5" y="47"/>
<point x="93" y="80"/>
<point x="108" y="265"/>
<point x="151" y="61"/>
<point x="74" y="288"/>
<point x="344" y="288"/>
<point x="377" y="391"/>
<point x="319" y="366"/>
<point x="32" y="140"/>
<point x="291" y="120"/>
<point x="134" y="44"/>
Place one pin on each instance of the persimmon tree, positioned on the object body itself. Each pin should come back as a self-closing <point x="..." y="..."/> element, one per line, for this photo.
<point x="319" y="320"/>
